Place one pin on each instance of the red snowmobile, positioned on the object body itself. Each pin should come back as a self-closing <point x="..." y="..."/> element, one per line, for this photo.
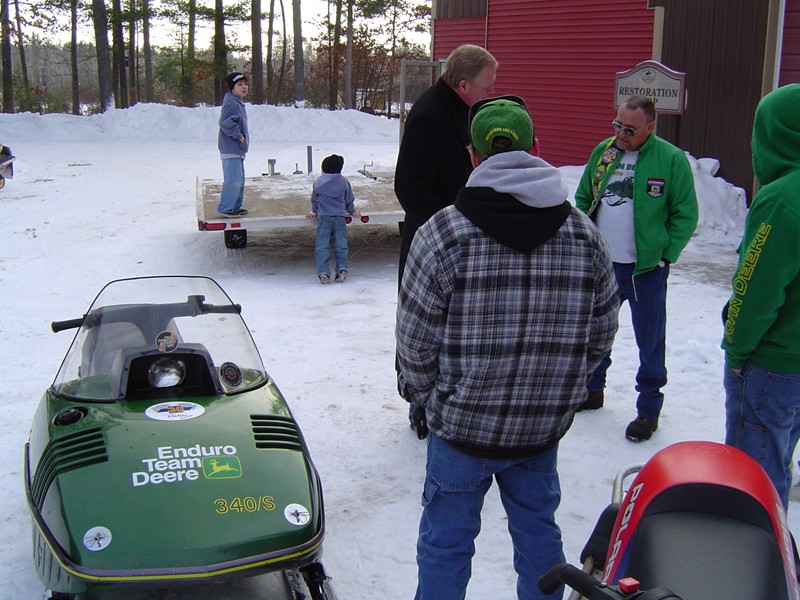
<point x="700" y="521"/>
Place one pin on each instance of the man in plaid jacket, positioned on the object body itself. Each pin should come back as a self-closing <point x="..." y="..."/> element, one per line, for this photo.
<point x="508" y="303"/>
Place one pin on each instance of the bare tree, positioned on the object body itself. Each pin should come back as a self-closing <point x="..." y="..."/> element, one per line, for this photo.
<point x="148" y="52"/>
<point x="73" y="57"/>
<point x="348" y="59"/>
<point x="334" y="40"/>
<point x="118" y="56"/>
<point x="100" y="22"/>
<point x="21" y="47"/>
<point x="299" y="67"/>
<point x="220" y="51"/>
<point x="133" y="54"/>
<point x="257" y="68"/>
<point x="5" y="50"/>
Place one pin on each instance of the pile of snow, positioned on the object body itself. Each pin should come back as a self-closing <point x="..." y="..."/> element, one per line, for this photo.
<point x="161" y="122"/>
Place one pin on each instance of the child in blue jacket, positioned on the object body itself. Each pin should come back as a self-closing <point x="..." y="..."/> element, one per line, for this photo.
<point x="233" y="142"/>
<point x="331" y="201"/>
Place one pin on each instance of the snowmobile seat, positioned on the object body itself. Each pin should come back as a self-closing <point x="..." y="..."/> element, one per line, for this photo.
<point x="686" y="524"/>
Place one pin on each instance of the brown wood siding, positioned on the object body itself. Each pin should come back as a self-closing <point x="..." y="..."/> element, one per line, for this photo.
<point x="457" y="9"/>
<point x="562" y="56"/>
<point x="722" y="92"/>
<point x="790" y="56"/>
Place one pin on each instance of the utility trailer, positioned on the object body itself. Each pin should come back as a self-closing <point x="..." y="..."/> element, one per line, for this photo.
<point x="276" y="200"/>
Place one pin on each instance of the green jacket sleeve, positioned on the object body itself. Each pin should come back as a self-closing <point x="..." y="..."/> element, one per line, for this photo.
<point x="683" y="211"/>
<point x="584" y="198"/>
<point x="759" y="316"/>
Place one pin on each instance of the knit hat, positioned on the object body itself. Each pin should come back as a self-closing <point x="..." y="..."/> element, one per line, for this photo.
<point x="332" y="164"/>
<point x="233" y="78"/>
<point x="500" y="117"/>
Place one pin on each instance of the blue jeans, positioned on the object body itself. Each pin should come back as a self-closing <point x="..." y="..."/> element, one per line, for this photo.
<point x="762" y="418"/>
<point x="232" y="193"/>
<point x="330" y="229"/>
<point x="647" y="296"/>
<point x="455" y="486"/>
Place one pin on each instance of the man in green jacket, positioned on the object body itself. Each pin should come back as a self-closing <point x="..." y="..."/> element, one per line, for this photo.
<point x="762" y="317"/>
<point x="639" y="191"/>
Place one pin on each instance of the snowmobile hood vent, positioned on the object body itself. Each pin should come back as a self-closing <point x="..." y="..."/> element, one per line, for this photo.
<point x="67" y="453"/>
<point x="274" y="431"/>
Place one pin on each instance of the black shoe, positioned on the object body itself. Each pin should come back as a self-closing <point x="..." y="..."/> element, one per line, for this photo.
<point x="593" y="401"/>
<point x="641" y="429"/>
<point x="232" y="213"/>
<point x="341" y="276"/>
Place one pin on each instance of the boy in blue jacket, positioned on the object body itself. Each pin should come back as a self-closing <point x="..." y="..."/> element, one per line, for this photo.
<point x="331" y="201"/>
<point x="233" y="142"/>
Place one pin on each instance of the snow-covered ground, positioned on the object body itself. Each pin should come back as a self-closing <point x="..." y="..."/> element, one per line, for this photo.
<point x="98" y="198"/>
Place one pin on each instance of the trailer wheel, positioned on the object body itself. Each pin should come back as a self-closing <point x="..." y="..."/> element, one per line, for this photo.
<point x="235" y="238"/>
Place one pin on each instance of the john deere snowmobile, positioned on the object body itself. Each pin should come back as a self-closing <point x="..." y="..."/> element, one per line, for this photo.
<point x="163" y="454"/>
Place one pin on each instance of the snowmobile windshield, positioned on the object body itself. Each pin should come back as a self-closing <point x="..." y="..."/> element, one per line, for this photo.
<point x="160" y="337"/>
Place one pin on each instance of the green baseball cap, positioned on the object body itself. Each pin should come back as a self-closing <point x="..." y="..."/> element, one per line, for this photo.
<point x="506" y="117"/>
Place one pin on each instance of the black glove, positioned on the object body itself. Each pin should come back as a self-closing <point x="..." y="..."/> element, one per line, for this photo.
<point x="419" y="423"/>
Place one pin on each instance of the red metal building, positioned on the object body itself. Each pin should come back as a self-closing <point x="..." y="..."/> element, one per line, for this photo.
<point x="562" y="56"/>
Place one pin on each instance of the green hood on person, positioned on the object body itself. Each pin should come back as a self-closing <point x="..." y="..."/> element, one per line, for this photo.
<point x="776" y="134"/>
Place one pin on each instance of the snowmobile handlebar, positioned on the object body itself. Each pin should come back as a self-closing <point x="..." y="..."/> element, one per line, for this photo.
<point x="589" y="587"/>
<point x="57" y="326"/>
<point x="194" y="305"/>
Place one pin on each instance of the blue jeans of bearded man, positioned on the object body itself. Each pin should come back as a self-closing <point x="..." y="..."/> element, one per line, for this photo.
<point x="647" y="296"/>
<point x="762" y="418"/>
<point x="331" y="229"/>
<point x="455" y="486"/>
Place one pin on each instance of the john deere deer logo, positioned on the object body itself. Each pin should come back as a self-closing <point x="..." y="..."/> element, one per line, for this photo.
<point x="222" y="467"/>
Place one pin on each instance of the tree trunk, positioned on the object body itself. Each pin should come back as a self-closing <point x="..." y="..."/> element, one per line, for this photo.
<point x="100" y="21"/>
<point x="284" y="48"/>
<point x="220" y="51"/>
<point x="348" y="59"/>
<point x="270" y="57"/>
<point x="133" y="71"/>
<point x="118" y="55"/>
<point x="73" y="57"/>
<point x="257" y="75"/>
<point x="21" y="47"/>
<point x="190" y="87"/>
<point x="333" y="96"/>
<point x="148" y="52"/>
<point x="5" y="59"/>
<point x="299" y="67"/>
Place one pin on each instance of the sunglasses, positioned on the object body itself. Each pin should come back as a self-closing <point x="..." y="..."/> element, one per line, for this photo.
<point x="473" y="110"/>
<point x="629" y="131"/>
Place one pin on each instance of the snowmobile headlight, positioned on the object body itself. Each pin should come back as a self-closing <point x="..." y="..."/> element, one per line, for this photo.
<point x="166" y="372"/>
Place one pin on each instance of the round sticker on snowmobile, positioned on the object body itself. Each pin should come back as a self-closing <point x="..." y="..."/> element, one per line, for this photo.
<point x="174" y="411"/>
<point x="166" y="341"/>
<point x="296" y="514"/>
<point x="231" y="374"/>
<point x="96" y="539"/>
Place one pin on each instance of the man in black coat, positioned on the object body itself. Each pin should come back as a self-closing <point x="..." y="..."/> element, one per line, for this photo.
<point x="433" y="163"/>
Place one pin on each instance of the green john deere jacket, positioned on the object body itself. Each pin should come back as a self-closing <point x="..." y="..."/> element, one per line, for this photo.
<point x="762" y="324"/>
<point x="664" y="200"/>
